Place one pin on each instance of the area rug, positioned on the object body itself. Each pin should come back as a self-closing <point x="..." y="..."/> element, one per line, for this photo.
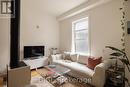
<point x="72" y="82"/>
<point x="39" y="81"/>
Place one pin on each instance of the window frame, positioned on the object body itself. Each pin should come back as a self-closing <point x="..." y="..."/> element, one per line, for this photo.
<point x="74" y="35"/>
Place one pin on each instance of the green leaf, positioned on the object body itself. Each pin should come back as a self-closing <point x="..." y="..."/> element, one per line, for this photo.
<point x="123" y="27"/>
<point x="115" y="49"/>
<point x="120" y="8"/>
<point x="122" y="39"/>
<point x="123" y="49"/>
<point x="113" y="58"/>
<point x="117" y="54"/>
<point x="123" y="44"/>
<point x="126" y="62"/>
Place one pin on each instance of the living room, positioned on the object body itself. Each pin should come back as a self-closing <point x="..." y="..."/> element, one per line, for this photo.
<point x="51" y="24"/>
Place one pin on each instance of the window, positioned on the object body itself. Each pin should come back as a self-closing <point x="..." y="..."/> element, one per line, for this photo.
<point x="80" y="36"/>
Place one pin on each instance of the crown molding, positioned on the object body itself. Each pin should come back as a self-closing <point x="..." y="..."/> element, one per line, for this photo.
<point x="83" y="7"/>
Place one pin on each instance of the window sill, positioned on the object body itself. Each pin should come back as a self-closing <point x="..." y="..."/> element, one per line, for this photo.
<point x="83" y="54"/>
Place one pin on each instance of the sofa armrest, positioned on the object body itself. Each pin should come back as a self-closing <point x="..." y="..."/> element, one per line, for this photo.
<point x="98" y="78"/>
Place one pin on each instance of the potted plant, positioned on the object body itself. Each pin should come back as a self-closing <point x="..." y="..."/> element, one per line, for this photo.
<point x="120" y="55"/>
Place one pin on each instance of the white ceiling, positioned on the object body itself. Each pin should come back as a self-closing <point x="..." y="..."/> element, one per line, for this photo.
<point x="58" y="7"/>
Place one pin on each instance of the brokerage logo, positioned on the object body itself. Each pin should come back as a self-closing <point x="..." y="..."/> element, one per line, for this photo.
<point x="7" y="8"/>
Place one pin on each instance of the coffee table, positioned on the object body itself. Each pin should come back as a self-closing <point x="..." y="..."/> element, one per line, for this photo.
<point x="56" y="74"/>
<point x="59" y="69"/>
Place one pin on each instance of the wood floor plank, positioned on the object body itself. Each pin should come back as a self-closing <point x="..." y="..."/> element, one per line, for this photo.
<point x="1" y="82"/>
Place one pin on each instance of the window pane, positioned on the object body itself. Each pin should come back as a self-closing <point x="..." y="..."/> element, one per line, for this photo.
<point x="82" y="46"/>
<point x="81" y="25"/>
<point x="81" y="34"/>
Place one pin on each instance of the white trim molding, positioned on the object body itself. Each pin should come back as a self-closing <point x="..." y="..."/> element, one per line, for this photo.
<point x="83" y="7"/>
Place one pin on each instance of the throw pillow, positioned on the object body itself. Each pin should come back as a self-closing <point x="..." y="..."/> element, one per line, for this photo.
<point x="66" y="56"/>
<point x="58" y="56"/>
<point x="74" y="57"/>
<point x="93" y="61"/>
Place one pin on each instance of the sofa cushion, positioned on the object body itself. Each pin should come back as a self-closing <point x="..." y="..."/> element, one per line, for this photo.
<point x="66" y="56"/>
<point x="74" y="57"/>
<point x="76" y="67"/>
<point x="82" y="59"/>
<point x="93" y="61"/>
<point x="57" y="57"/>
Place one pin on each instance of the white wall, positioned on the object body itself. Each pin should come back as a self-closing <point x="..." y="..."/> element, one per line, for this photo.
<point x="33" y="15"/>
<point x="4" y="43"/>
<point x="104" y="28"/>
<point x="128" y="4"/>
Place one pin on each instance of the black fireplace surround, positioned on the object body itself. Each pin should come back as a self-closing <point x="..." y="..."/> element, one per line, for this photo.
<point x="15" y="35"/>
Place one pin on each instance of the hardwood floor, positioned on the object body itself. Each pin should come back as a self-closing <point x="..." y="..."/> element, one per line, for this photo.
<point x="67" y="84"/>
<point x="1" y="82"/>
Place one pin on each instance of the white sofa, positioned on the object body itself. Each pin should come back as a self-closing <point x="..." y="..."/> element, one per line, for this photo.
<point x="78" y="67"/>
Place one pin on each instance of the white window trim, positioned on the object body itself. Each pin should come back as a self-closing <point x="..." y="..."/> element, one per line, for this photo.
<point x="73" y="37"/>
